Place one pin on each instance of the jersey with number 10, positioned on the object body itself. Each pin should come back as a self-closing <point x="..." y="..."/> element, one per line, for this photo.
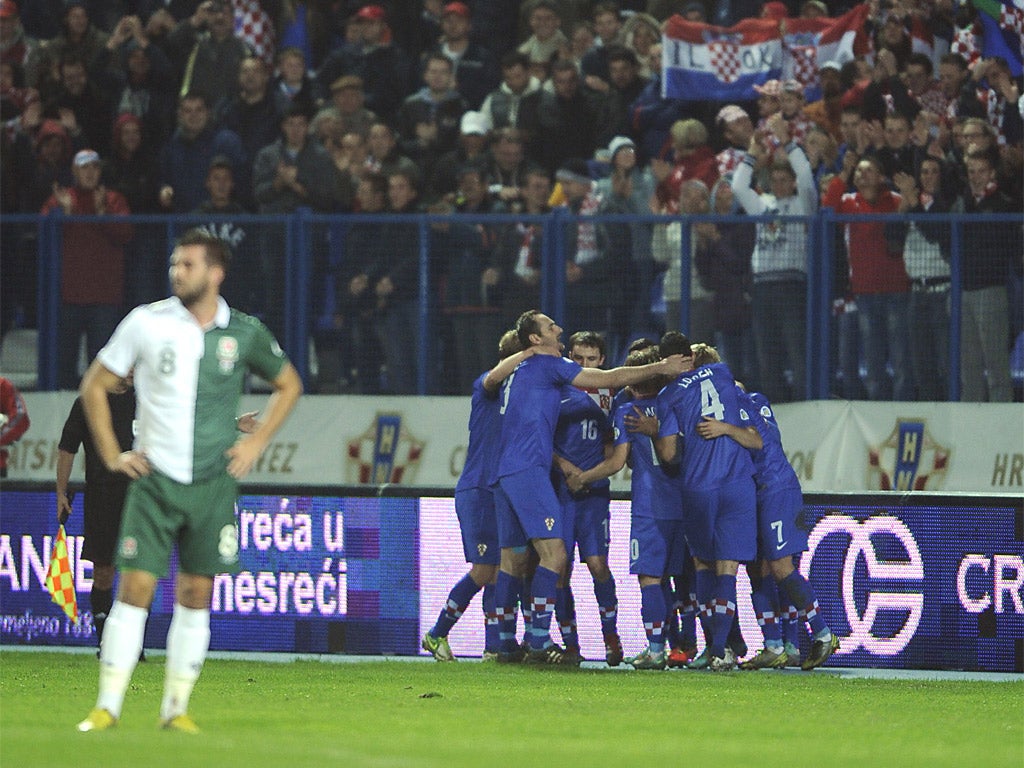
<point x="708" y="391"/>
<point x="530" y="399"/>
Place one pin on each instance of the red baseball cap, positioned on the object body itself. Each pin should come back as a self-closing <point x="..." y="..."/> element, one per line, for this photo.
<point x="9" y="8"/>
<point x="459" y="9"/>
<point x="371" y="13"/>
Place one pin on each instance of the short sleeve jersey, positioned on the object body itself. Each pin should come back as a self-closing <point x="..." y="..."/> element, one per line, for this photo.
<point x="654" y="493"/>
<point x="189" y="380"/>
<point x="484" y="439"/>
<point x="76" y="433"/>
<point x="582" y="429"/>
<point x="772" y="467"/>
<point x="708" y="391"/>
<point x="529" y="403"/>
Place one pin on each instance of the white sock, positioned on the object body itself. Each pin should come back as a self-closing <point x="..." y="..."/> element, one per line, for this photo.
<point x="119" y="653"/>
<point x="188" y="639"/>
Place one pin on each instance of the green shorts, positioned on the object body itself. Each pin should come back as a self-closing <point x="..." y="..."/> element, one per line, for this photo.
<point x="199" y="517"/>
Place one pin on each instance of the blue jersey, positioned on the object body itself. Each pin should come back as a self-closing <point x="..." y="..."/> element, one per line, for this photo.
<point x="582" y="428"/>
<point x="655" y="494"/>
<point x="478" y="471"/>
<point x="708" y="391"/>
<point x="529" y="403"/>
<point x="773" y="469"/>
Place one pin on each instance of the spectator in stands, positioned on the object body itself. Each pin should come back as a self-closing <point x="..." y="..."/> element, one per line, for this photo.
<point x="581" y="40"/>
<point x="14" y="419"/>
<point x="293" y="82"/>
<point x="899" y="155"/>
<point x="347" y="105"/>
<point x="592" y="271"/>
<point x="472" y="149"/>
<point x="252" y="114"/>
<point x="926" y="255"/>
<point x="626" y="87"/>
<point x="608" y="26"/>
<point x="16" y="47"/>
<point x="515" y="269"/>
<point x="506" y="172"/>
<point x="736" y="129"/>
<point x="92" y="264"/>
<point x="823" y="154"/>
<point x="428" y="121"/>
<point x="641" y="33"/>
<point x="79" y="39"/>
<point x="464" y="250"/>
<point x="691" y="158"/>
<point x="827" y="111"/>
<point x="957" y="88"/>
<point x="349" y="154"/>
<point x="879" y="282"/>
<point x="999" y="95"/>
<point x="304" y="25"/>
<point x="653" y="116"/>
<point x="51" y="164"/>
<point x="922" y="87"/>
<point x="723" y="262"/>
<point x="356" y="300"/>
<point x="989" y="252"/>
<point x="79" y="105"/>
<point x="141" y="78"/>
<point x="568" y="119"/>
<point x="397" y="283"/>
<point x="476" y="68"/>
<point x="131" y="168"/>
<point x="546" y="41"/>
<point x="185" y="158"/>
<point x="383" y="66"/>
<point x="385" y="156"/>
<point x="208" y="53"/>
<point x="791" y="105"/>
<point x="628" y="190"/>
<point x="516" y="102"/>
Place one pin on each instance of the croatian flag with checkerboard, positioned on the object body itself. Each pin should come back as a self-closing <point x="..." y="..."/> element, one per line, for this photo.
<point x="704" y="62"/>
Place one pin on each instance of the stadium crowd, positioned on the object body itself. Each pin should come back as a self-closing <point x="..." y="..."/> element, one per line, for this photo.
<point x="242" y="106"/>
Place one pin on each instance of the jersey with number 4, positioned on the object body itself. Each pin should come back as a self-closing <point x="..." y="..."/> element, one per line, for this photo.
<point x="189" y="380"/>
<point x="655" y="493"/>
<point x="682" y="405"/>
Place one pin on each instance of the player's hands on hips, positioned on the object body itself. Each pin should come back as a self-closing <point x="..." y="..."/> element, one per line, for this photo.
<point x="131" y="463"/>
<point x="243" y="456"/>
<point x="711" y="428"/>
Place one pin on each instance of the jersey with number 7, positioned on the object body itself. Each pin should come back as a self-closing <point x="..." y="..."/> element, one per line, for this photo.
<point x="708" y="391"/>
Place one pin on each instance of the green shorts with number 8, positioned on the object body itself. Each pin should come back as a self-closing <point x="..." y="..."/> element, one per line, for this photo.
<point x="199" y="517"/>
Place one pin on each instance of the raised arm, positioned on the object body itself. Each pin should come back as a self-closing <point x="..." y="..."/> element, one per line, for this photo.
<point x="500" y="372"/>
<point x="623" y="376"/>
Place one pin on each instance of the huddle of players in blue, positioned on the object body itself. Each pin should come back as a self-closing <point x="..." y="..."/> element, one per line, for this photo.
<point x="711" y="488"/>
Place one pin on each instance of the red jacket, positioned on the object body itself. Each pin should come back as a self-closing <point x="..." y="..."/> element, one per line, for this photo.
<point x="93" y="268"/>
<point x="12" y="406"/>
<point x="874" y="268"/>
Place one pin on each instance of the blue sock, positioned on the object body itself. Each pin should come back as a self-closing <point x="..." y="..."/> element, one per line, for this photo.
<point x="542" y="604"/>
<point x="492" y="630"/>
<point x="565" y="610"/>
<point x="671" y="613"/>
<point x="652" y="611"/>
<point x="607" y="606"/>
<point x="507" y="591"/>
<point x="688" y="622"/>
<point x="801" y="594"/>
<point x="458" y="599"/>
<point x="765" y="598"/>
<point x="724" y="613"/>
<point x="705" y="589"/>
<point x="792" y="626"/>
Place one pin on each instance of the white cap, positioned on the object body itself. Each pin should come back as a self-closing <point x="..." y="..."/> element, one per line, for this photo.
<point x="619" y="142"/>
<point x="475" y="122"/>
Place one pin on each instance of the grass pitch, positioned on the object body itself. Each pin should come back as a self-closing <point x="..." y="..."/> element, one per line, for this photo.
<point x="395" y="713"/>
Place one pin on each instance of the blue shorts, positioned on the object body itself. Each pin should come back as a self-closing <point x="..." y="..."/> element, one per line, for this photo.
<point x="656" y="547"/>
<point x="479" y="525"/>
<point x="721" y="523"/>
<point x="779" y="513"/>
<point x="527" y="508"/>
<point x="587" y="522"/>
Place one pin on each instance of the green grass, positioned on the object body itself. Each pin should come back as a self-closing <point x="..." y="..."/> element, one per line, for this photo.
<point x="309" y="713"/>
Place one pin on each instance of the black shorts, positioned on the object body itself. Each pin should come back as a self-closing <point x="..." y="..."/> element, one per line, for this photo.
<point x="103" y="505"/>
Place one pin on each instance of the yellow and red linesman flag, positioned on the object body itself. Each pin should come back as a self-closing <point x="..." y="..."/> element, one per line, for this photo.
<point x="59" y="579"/>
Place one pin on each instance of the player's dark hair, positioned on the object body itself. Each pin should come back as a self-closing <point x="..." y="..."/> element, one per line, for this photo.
<point x="642" y="343"/>
<point x="218" y="252"/>
<point x="674" y="343"/>
<point x="526" y="324"/>
<point x="645" y="356"/>
<point x="587" y="339"/>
